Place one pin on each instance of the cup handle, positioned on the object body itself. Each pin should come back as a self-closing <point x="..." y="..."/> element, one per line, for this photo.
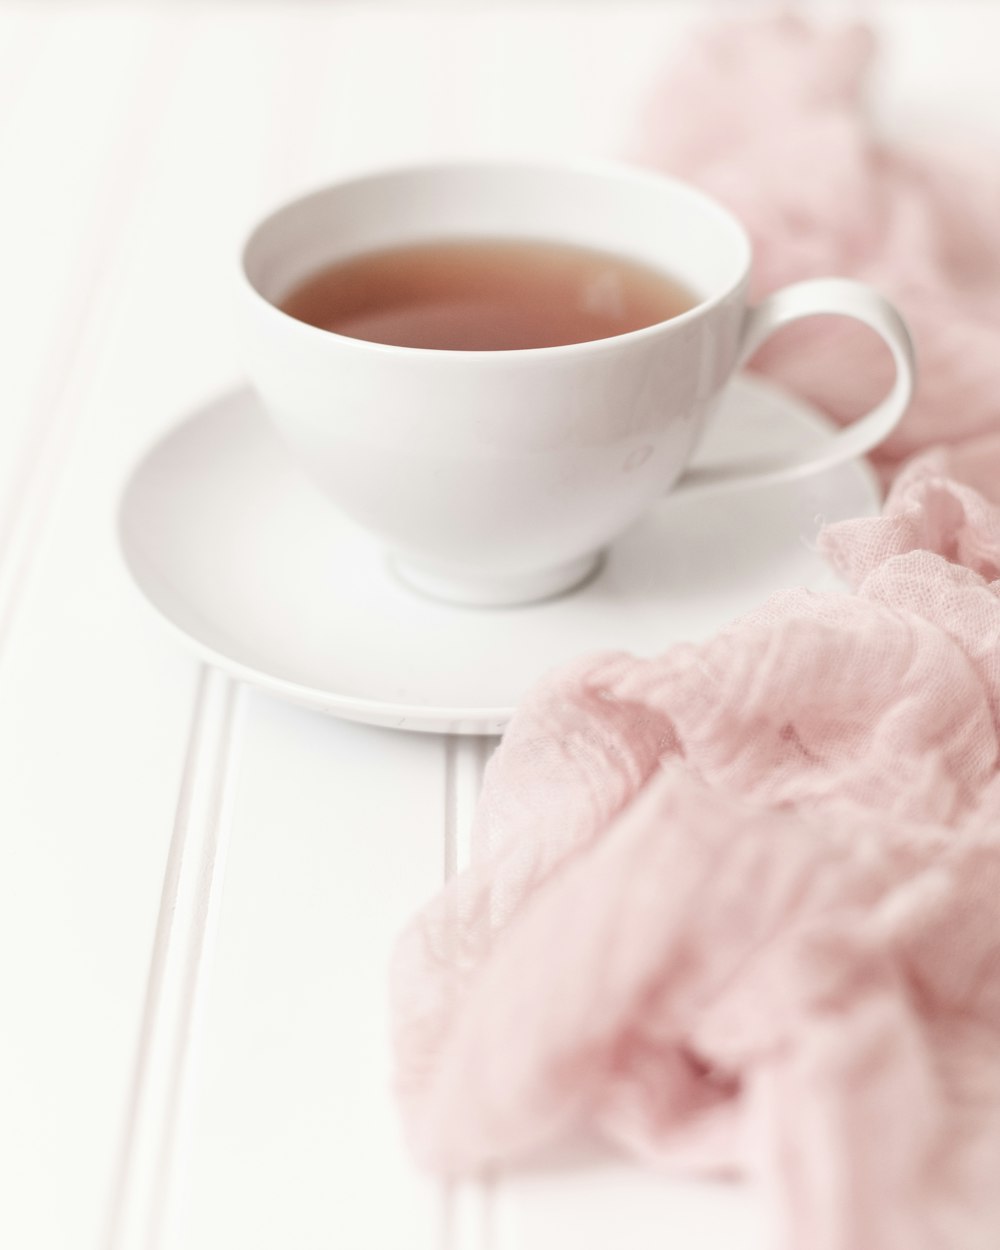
<point x="840" y="297"/>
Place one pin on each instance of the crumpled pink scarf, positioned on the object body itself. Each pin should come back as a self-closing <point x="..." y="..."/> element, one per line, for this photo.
<point x="738" y="907"/>
<point x="769" y="117"/>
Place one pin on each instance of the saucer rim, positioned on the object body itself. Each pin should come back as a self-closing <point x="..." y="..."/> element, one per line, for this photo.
<point x="422" y="718"/>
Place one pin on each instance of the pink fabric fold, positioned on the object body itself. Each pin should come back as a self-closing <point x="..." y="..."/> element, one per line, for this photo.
<point x="737" y="907"/>
<point x="769" y="116"/>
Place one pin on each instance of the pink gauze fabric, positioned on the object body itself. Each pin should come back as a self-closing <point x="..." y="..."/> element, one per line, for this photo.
<point x="769" y="117"/>
<point x="737" y="907"/>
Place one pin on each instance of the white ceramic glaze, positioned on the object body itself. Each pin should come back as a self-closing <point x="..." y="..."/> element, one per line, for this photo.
<point x="499" y="477"/>
<point x="255" y="570"/>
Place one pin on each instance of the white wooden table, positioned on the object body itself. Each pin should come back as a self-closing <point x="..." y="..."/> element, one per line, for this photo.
<point x="199" y="885"/>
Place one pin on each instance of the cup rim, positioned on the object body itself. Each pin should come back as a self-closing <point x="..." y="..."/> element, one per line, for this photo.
<point x="618" y="170"/>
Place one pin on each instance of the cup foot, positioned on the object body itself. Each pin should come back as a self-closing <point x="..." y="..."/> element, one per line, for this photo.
<point x="495" y="592"/>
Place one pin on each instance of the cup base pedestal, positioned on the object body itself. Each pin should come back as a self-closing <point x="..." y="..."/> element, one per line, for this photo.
<point x="495" y="592"/>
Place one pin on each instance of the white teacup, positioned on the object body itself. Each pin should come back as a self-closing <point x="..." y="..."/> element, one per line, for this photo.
<point x="499" y="477"/>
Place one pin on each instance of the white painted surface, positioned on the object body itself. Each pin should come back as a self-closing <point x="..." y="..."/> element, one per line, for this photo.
<point x="136" y="140"/>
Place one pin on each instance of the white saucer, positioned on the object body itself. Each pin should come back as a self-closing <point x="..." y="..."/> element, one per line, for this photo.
<point x="254" y="569"/>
